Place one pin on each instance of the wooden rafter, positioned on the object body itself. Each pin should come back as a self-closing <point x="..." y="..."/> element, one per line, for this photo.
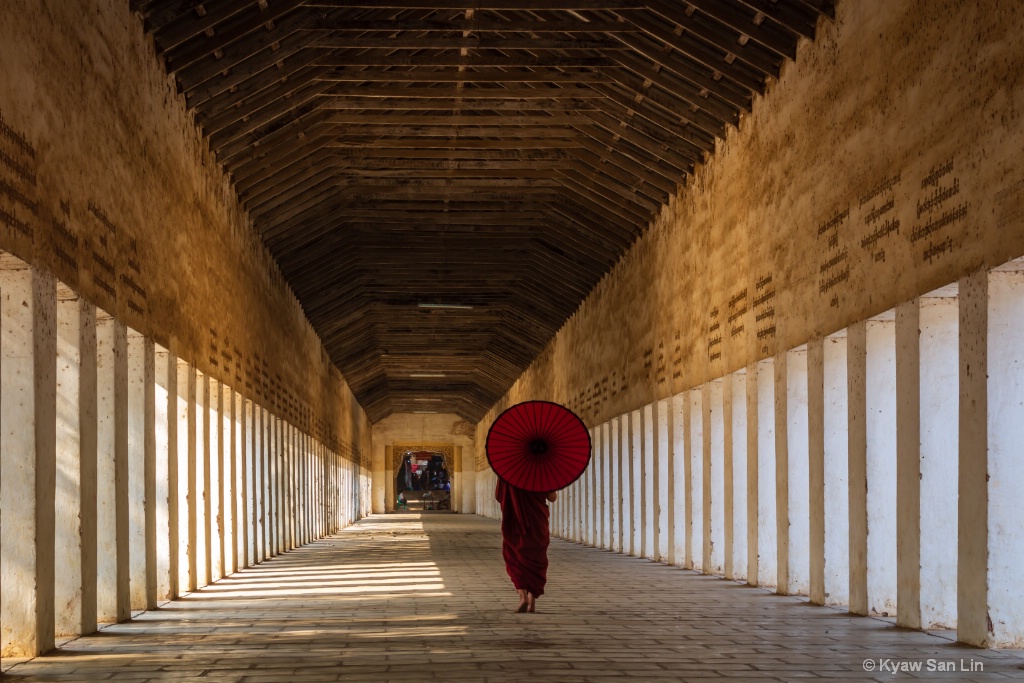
<point x="499" y="154"/>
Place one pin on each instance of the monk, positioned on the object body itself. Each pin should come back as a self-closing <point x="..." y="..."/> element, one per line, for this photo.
<point x="525" y="539"/>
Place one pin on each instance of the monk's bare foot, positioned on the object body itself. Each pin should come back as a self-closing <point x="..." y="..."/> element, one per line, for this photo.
<point x="531" y="602"/>
<point x="523" y="602"/>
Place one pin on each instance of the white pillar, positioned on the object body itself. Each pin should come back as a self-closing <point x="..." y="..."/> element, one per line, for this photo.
<point x="881" y="463"/>
<point x="637" y="514"/>
<point x="680" y="412"/>
<point x="594" y="489"/>
<point x="908" y="464"/>
<point x="816" y="467"/>
<point x="695" y="482"/>
<point x="836" y="470"/>
<point x="797" y="432"/>
<point x="753" y="475"/>
<point x="68" y="502"/>
<point x="382" y="482"/>
<point x="28" y="396"/>
<point x="165" y="390"/>
<point x="991" y="551"/>
<point x="725" y="489"/>
<point x="202" y="481"/>
<point x="261" y="494"/>
<point x="245" y="526"/>
<point x="185" y="412"/>
<point x="615" y="486"/>
<point x="229" y="489"/>
<point x="626" y="486"/>
<point x="714" y="476"/>
<point x="140" y="397"/>
<point x="781" y="475"/>
<point x="740" y="469"/>
<point x="663" y="480"/>
<point x="940" y="407"/>
<point x="214" y="467"/>
<point x="606" y="484"/>
<point x="857" y="463"/>
<point x="767" y="527"/>
<point x="113" y="603"/>
<point x="87" y="410"/>
<point x="649" y="539"/>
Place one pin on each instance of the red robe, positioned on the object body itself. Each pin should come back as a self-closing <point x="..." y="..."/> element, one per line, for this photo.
<point x="525" y="536"/>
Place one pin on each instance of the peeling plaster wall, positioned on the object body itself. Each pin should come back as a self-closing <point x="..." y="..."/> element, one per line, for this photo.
<point x="884" y="163"/>
<point x="106" y="182"/>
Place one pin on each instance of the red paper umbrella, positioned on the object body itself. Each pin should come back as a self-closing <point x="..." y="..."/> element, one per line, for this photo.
<point x="538" y="446"/>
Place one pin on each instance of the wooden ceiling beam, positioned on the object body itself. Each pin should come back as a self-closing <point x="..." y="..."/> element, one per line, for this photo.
<point x="621" y="106"/>
<point x="634" y="133"/>
<point x="588" y="218"/>
<point x="697" y="74"/>
<point x="209" y="103"/>
<point x="471" y="153"/>
<point x="826" y="7"/>
<point x="248" y="147"/>
<point x="721" y="35"/>
<point x="474" y="25"/>
<point x="200" y="46"/>
<point x="173" y="33"/>
<point x="245" y="175"/>
<point x="469" y="93"/>
<point x="469" y="43"/>
<point x="351" y="75"/>
<point x="791" y="15"/>
<point x="700" y="53"/>
<point x="458" y="125"/>
<point x="253" y="54"/>
<point x="779" y="41"/>
<point x="254" y="192"/>
<point x="495" y="5"/>
<point x="264" y="106"/>
<point x="673" y="168"/>
<point x="698" y="98"/>
<point x="611" y="195"/>
<point x="596" y="156"/>
<point x="641" y="90"/>
<point x="443" y="57"/>
<point x="629" y="188"/>
<point x="276" y="208"/>
<point x="358" y="144"/>
<point x="371" y="105"/>
<point x="637" y="186"/>
<point x="446" y="168"/>
<point x="302" y="102"/>
<point x="257" y="72"/>
<point x="538" y="131"/>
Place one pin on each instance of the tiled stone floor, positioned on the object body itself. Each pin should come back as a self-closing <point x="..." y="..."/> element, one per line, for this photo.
<point x="423" y="597"/>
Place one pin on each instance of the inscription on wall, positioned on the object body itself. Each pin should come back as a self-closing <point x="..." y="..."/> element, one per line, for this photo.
<point x="19" y="206"/>
<point x="714" y="336"/>
<point x="834" y="269"/>
<point x="938" y="208"/>
<point x="763" y="306"/>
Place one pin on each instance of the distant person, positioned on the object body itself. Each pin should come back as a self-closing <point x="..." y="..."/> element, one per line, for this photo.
<point x="525" y="539"/>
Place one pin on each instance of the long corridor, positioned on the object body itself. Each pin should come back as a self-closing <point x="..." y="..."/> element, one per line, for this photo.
<point x="411" y="597"/>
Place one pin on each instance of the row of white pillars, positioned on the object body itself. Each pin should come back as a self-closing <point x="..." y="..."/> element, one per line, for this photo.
<point x="128" y="477"/>
<point x="877" y="468"/>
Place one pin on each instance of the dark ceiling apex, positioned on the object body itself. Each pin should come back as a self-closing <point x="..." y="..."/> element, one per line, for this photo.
<point x="443" y="182"/>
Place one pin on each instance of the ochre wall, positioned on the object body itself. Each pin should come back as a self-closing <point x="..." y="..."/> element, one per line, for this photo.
<point x="884" y="163"/>
<point x="106" y="182"/>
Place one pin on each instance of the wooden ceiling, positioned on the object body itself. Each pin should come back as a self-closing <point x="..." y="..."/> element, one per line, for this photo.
<point x="496" y="156"/>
